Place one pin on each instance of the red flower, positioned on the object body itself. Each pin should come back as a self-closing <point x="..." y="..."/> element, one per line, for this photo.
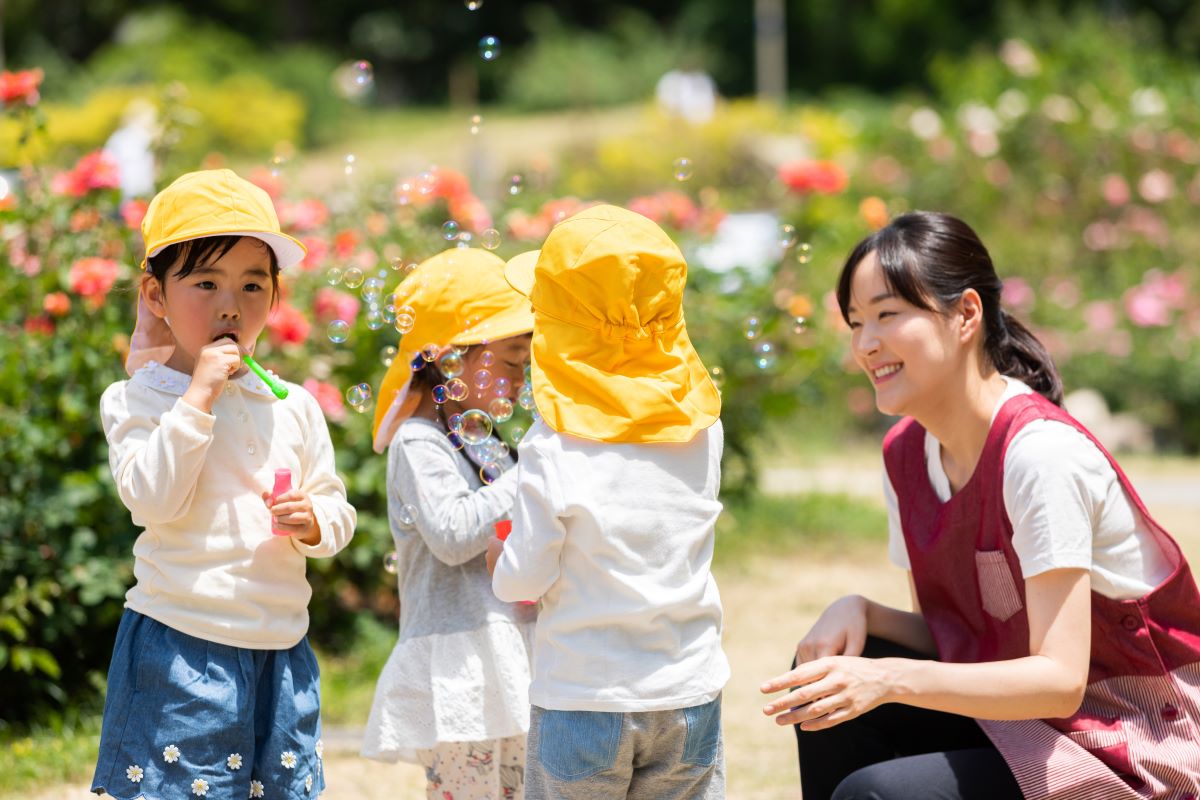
<point x="268" y="181"/>
<point x="317" y="249"/>
<point x="287" y="325"/>
<point x="84" y="220"/>
<point x="330" y="304"/>
<point x="93" y="277"/>
<point x="96" y="170"/>
<point x="133" y="212"/>
<point x="40" y="324"/>
<point x="344" y="243"/>
<point x="328" y="398"/>
<point x="814" y="177"/>
<point x="56" y="304"/>
<point x="20" y="87"/>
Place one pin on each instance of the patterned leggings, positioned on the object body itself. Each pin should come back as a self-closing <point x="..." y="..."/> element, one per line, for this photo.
<point x="491" y="770"/>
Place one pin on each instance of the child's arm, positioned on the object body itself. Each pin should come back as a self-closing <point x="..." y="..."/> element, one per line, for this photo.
<point x="334" y="517"/>
<point x="529" y="563"/>
<point x="453" y="518"/>
<point x="155" y="462"/>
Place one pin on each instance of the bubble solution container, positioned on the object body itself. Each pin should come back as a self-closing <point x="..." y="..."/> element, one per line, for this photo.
<point x="283" y="484"/>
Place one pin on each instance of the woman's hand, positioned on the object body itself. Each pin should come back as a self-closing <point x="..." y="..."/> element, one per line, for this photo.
<point x="293" y="512"/>
<point x="830" y="690"/>
<point x="841" y="630"/>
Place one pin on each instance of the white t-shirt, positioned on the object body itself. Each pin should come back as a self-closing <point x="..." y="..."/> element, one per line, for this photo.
<point x="617" y="541"/>
<point x="1066" y="506"/>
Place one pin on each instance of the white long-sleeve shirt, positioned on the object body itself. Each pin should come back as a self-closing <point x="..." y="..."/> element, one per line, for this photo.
<point x="617" y="541"/>
<point x="207" y="563"/>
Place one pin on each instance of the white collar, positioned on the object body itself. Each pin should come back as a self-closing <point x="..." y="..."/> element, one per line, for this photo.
<point x="172" y="381"/>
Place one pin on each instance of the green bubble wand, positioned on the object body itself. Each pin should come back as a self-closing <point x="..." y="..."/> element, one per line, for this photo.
<point x="277" y="388"/>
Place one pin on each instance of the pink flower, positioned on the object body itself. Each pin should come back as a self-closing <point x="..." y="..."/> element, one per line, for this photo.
<point x="1145" y="307"/>
<point x="318" y="251"/>
<point x="1100" y="316"/>
<point x="1156" y="186"/>
<point x="20" y="87"/>
<point x="56" y="304"/>
<point x="1017" y="294"/>
<point x="287" y="325"/>
<point x="92" y="277"/>
<point x="96" y="170"/>
<point x="266" y="180"/>
<point x="133" y="212"/>
<point x="330" y="304"/>
<point x="328" y="398"/>
<point x="814" y="177"/>
<point x="304" y="215"/>
<point x="1115" y="190"/>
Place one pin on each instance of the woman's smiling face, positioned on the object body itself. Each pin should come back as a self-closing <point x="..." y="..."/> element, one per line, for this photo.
<point x="909" y="353"/>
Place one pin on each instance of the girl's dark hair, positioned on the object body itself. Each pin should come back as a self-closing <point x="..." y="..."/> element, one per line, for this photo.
<point x="426" y="375"/>
<point x="195" y="253"/>
<point x="930" y="259"/>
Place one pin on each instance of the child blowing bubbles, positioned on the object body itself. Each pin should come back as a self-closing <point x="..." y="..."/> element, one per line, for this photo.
<point x="213" y="689"/>
<point x="453" y="696"/>
<point x="614" y="521"/>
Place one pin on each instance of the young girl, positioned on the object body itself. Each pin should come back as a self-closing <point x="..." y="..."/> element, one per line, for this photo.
<point x="454" y="693"/>
<point x="614" y="521"/>
<point x="1054" y="646"/>
<point x="213" y="689"/>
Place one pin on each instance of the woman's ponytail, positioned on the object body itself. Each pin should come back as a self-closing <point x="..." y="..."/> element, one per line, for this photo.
<point x="1017" y="353"/>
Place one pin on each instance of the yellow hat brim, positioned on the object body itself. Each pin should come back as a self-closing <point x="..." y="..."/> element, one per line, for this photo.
<point x="519" y="271"/>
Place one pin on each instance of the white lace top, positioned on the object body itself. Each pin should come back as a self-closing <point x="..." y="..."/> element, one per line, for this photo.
<point x="460" y="670"/>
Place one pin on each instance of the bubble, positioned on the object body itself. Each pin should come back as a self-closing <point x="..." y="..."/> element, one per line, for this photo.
<point x="439" y="394"/>
<point x="410" y="268"/>
<point x="764" y="355"/>
<point x="804" y="253"/>
<point x="515" y="184"/>
<point x="338" y="331"/>
<point x="464" y="239"/>
<point x="407" y="514"/>
<point x="397" y="263"/>
<point x="787" y="236"/>
<point x="525" y="398"/>
<point x="753" y="328"/>
<point x="482" y="379"/>
<point x="372" y="290"/>
<point x="430" y="352"/>
<point x="477" y="426"/>
<point x="450" y="230"/>
<point x="489" y="48"/>
<point x="387" y="355"/>
<point x="451" y="365"/>
<point x="683" y="169"/>
<point x="374" y="318"/>
<point x="501" y="409"/>
<point x="490" y="238"/>
<point x="800" y="325"/>
<point x="404" y="323"/>
<point x="278" y="162"/>
<point x="354" y="79"/>
<point x="487" y="358"/>
<point x="500" y="387"/>
<point x="455" y="439"/>
<point x="391" y="563"/>
<point x="455" y="422"/>
<point x="474" y="5"/>
<point x="517" y="434"/>
<point x="353" y="277"/>
<point x="457" y="389"/>
<point x="358" y="396"/>
<point x="718" y="376"/>
<point x="476" y="124"/>
<point x="348" y="163"/>
<point x="334" y="276"/>
<point x="389" y="314"/>
<point x="488" y="473"/>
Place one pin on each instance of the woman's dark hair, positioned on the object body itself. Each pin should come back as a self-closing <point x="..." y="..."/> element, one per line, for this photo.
<point x="930" y="259"/>
<point x="195" y="253"/>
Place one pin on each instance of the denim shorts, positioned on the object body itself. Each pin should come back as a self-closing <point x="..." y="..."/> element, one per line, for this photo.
<point x="188" y="718"/>
<point x="652" y="755"/>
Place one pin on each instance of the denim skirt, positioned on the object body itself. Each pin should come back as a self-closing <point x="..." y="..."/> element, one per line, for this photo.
<point x="187" y="718"/>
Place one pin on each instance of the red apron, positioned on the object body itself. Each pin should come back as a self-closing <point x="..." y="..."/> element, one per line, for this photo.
<point x="1137" y="733"/>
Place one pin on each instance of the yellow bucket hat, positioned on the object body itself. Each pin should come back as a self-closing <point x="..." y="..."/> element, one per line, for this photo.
<point x="459" y="297"/>
<point x="611" y="358"/>
<point x="214" y="202"/>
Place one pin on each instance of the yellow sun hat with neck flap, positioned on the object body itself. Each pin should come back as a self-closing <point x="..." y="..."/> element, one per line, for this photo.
<point x="611" y="357"/>
<point x="458" y="297"/>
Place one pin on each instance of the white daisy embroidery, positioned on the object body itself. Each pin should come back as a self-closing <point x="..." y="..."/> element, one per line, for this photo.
<point x="320" y="748"/>
<point x="234" y="761"/>
<point x="308" y="784"/>
<point x="288" y="759"/>
<point x="200" y="787"/>
<point x="256" y="789"/>
<point x="170" y="754"/>
<point x="134" y="773"/>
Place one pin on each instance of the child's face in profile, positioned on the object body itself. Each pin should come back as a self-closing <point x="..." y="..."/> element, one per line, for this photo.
<point x="508" y="359"/>
<point x="229" y="297"/>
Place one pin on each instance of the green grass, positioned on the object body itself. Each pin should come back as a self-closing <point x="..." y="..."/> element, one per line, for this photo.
<point x="782" y="524"/>
<point x="48" y="754"/>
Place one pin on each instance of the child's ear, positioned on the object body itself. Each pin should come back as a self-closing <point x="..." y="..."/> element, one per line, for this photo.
<point x="152" y="292"/>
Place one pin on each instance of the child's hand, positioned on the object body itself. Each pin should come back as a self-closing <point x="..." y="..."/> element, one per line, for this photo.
<point x="215" y="364"/>
<point x="495" y="548"/>
<point x="293" y="512"/>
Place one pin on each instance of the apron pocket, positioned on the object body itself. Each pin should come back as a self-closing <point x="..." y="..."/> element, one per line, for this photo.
<point x="997" y="589"/>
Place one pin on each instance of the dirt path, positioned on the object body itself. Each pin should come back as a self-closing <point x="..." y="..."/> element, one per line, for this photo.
<point x="769" y="604"/>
